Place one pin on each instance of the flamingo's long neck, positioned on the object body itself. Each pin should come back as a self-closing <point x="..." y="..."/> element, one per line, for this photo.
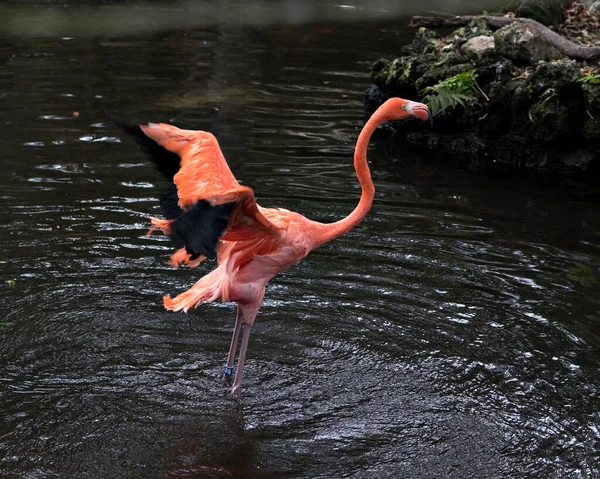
<point x="332" y="230"/>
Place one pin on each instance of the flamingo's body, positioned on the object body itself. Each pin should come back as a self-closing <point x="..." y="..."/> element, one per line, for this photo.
<point x="208" y="213"/>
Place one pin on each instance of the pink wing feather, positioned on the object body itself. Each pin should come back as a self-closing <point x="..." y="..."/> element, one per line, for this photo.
<point x="205" y="175"/>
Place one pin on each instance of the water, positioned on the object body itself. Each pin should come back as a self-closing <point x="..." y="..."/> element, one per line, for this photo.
<point x="454" y="333"/>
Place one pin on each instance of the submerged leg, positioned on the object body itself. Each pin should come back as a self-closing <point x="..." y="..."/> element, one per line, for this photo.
<point x="240" y="367"/>
<point x="228" y="368"/>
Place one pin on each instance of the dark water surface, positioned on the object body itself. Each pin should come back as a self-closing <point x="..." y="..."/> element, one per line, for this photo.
<point x="454" y="333"/>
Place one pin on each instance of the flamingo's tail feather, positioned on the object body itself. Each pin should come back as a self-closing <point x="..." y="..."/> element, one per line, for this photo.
<point x="208" y="289"/>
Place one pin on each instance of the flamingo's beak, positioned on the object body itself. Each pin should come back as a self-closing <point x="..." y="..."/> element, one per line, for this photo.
<point x="421" y="111"/>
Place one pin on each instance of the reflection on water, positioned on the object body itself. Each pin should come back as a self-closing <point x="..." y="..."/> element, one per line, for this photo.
<point x="454" y="333"/>
<point x="115" y="17"/>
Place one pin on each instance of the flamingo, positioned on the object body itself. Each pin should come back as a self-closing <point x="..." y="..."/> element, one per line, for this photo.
<point x="208" y="214"/>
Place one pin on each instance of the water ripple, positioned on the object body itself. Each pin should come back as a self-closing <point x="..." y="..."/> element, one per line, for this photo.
<point x="453" y="333"/>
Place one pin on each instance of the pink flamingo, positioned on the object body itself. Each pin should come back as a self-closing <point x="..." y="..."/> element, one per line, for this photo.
<point x="209" y="214"/>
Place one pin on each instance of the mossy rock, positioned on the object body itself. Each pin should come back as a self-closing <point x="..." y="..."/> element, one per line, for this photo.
<point x="524" y="44"/>
<point x="478" y="48"/>
<point x="591" y="129"/>
<point x="493" y="70"/>
<point x="554" y="118"/>
<point x="441" y="70"/>
<point x="591" y="125"/>
<point x="476" y="28"/>
<point x="498" y="118"/>
<point x="398" y="75"/>
<point x="379" y="72"/>
<point x="591" y="94"/>
<point x="581" y="160"/>
<point x="520" y="105"/>
<point x="426" y="41"/>
<point x="424" y="62"/>
<point x="562" y="75"/>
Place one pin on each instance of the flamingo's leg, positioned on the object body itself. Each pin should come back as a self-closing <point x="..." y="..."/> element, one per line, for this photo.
<point x="240" y="367"/>
<point x="228" y="368"/>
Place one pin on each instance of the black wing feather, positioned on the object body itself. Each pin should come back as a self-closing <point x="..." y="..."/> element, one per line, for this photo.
<point x="166" y="161"/>
<point x="169" y="203"/>
<point x="199" y="229"/>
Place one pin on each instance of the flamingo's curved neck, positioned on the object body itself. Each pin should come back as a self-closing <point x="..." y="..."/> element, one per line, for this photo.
<point x="332" y="230"/>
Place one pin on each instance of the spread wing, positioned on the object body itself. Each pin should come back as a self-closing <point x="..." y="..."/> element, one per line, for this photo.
<point x="206" y="198"/>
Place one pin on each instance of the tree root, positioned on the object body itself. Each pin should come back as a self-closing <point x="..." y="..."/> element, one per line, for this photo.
<point x="562" y="44"/>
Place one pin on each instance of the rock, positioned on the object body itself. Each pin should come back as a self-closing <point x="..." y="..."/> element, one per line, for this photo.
<point x="554" y="118"/>
<point x="520" y="105"/>
<point x="426" y="41"/>
<point x="591" y="126"/>
<point x="400" y="74"/>
<point x="558" y="101"/>
<point x="591" y="130"/>
<point x="523" y="44"/>
<point x="560" y="75"/>
<point x="591" y="94"/>
<point x="580" y="160"/>
<point x="534" y="110"/>
<point x="503" y="70"/>
<point x="499" y="115"/>
<point x="444" y="66"/>
<point x="476" y="28"/>
<point x="379" y="72"/>
<point x="491" y="69"/>
<point x="374" y="98"/>
<point x="478" y="47"/>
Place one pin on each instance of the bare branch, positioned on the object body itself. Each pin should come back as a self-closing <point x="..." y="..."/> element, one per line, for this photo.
<point x="562" y="44"/>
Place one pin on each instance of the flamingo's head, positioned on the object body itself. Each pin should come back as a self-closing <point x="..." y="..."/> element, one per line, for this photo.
<point x="400" y="109"/>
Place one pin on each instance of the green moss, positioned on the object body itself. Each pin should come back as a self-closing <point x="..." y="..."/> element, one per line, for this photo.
<point x="437" y="73"/>
<point x="426" y="40"/>
<point x="591" y="94"/>
<point x="476" y="28"/>
<point x="559" y="75"/>
<point x="553" y="117"/>
<point x="401" y="72"/>
<point x="379" y="72"/>
<point x="524" y="44"/>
